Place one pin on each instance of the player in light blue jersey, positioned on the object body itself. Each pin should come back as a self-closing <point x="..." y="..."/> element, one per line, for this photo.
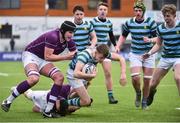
<point x="168" y="38"/>
<point x="77" y="77"/>
<point x="104" y="33"/>
<point x="139" y="26"/>
<point x="84" y="35"/>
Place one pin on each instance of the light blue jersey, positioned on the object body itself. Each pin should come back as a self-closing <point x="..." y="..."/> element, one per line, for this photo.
<point x="102" y="30"/>
<point x="82" y="35"/>
<point x="85" y="57"/>
<point x="138" y="31"/>
<point x="171" y="40"/>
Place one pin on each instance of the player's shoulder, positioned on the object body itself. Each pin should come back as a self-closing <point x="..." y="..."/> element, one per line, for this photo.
<point x="53" y="34"/>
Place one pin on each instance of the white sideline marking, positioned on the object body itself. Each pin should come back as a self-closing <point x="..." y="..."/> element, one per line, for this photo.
<point x="4" y="74"/>
<point x="177" y="108"/>
<point x="11" y="74"/>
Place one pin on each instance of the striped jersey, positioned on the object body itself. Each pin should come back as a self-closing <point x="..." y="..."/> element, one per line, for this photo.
<point x="138" y="31"/>
<point x="85" y="57"/>
<point x="82" y="35"/>
<point x="102" y="30"/>
<point x="171" y="40"/>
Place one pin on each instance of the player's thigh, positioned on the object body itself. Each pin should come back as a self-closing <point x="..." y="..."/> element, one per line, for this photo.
<point x="31" y="67"/>
<point x="135" y="70"/>
<point x="49" y="70"/>
<point x="158" y="74"/>
<point x="148" y="71"/>
<point x="177" y="71"/>
<point x="135" y="60"/>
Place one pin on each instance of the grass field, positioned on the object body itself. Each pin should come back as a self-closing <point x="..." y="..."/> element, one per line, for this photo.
<point x="163" y="108"/>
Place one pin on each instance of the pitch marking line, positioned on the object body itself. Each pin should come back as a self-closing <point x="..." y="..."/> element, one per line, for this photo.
<point x="4" y="74"/>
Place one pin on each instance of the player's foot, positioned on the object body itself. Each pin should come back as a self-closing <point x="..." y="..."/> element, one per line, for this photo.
<point x="138" y="99"/>
<point x="151" y="97"/>
<point x="63" y="107"/>
<point x="144" y="106"/>
<point x="51" y="114"/>
<point x="6" y="105"/>
<point x="112" y="100"/>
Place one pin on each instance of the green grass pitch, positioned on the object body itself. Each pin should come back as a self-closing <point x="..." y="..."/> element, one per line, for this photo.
<point x="163" y="108"/>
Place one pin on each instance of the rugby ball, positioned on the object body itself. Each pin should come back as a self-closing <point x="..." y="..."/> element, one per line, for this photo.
<point x="88" y="68"/>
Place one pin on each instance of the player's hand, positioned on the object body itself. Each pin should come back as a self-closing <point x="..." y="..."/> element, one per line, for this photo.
<point x="91" y="47"/>
<point x="145" y="56"/>
<point x="70" y="55"/>
<point x="123" y="79"/>
<point x="92" y="75"/>
<point x="146" y="39"/>
<point x="117" y="49"/>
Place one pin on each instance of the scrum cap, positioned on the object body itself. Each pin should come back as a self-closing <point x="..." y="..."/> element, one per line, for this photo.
<point x="139" y="4"/>
<point x="67" y="26"/>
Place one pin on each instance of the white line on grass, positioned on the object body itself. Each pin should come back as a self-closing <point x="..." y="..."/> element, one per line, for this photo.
<point x="11" y="74"/>
<point x="4" y="74"/>
<point x="177" y="108"/>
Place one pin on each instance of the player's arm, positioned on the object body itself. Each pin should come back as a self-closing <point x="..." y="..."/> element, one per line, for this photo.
<point x="155" y="48"/>
<point x="49" y="56"/>
<point x="93" y="39"/>
<point x="117" y="57"/>
<point x="122" y="38"/>
<point x="81" y="75"/>
<point x="112" y="38"/>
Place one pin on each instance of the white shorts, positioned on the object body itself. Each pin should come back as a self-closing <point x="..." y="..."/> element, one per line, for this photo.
<point x="28" y="58"/>
<point x="75" y="82"/>
<point x="39" y="99"/>
<point x="137" y="61"/>
<point x="167" y="63"/>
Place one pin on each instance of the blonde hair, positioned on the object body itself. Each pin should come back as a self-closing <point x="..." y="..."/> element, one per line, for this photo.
<point x="169" y="8"/>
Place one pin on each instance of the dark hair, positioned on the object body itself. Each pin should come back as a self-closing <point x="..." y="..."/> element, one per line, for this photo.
<point x="67" y="26"/>
<point x="103" y="49"/>
<point x="78" y="7"/>
<point x="103" y="4"/>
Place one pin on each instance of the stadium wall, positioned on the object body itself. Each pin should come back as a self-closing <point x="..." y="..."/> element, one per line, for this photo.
<point x="30" y="27"/>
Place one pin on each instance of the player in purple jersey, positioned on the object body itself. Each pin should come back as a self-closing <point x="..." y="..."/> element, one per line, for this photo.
<point x="37" y="59"/>
<point x="40" y="98"/>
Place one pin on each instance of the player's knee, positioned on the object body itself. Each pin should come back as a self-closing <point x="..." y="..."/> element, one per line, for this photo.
<point x="135" y="77"/>
<point x="58" y="78"/>
<point x="107" y="74"/>
<point x="177" y="78"/>
<point x="87" y="102"/>
<point x="33" y="79"/>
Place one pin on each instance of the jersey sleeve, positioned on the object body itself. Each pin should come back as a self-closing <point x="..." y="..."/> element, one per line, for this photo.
<point x="125" y="29"/>
<point x="51" y="40"/>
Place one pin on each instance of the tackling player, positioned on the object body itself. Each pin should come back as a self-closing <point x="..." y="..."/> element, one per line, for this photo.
<point x="37" y="59"/>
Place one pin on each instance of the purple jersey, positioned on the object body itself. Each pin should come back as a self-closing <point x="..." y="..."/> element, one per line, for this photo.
<point x="51" y="40"/>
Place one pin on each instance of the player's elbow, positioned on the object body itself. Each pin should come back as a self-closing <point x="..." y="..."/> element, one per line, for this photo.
<point x="76" y="74"/>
